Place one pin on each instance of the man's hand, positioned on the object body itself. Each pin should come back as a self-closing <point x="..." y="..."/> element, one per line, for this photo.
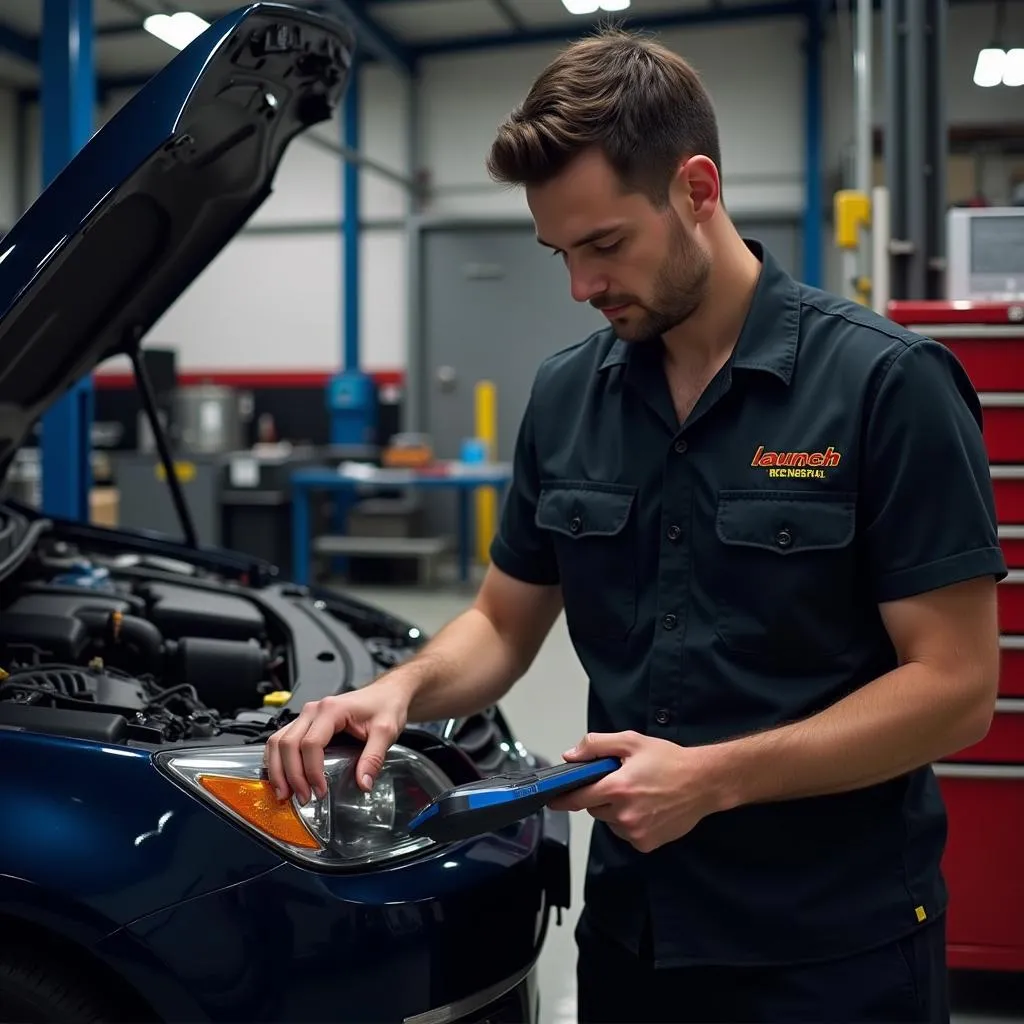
<point x="659" y="794"/>
<point x="375" y="715"/>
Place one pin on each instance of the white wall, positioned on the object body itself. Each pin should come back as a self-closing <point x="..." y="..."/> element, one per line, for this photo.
<point x="274" y="298"/>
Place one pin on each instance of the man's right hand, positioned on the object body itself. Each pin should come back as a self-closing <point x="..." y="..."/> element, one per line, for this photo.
<point x="375" y="715"/>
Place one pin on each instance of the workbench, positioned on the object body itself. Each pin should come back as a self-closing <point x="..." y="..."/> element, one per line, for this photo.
<point x="349" y="481"/>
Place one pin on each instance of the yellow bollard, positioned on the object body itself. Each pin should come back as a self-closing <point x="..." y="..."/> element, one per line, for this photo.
<point x="486" y="497"/>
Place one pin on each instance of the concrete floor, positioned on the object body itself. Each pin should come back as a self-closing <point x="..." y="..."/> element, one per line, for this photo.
<point x="557" y="682"/>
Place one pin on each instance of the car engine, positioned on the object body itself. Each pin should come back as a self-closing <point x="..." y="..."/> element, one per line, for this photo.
<point x="102" y="637"/>
<point x="158" y="651"/>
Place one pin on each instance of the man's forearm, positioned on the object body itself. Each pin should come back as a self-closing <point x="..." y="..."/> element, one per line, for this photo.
<point x="908" y="718"/>
<point x="465" y="667"/>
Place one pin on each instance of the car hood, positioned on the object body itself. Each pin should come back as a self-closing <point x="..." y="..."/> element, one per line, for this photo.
<point x="155" y="194"/>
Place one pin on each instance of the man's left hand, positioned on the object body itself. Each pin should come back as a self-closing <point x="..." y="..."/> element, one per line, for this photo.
<point x="659" y="794"/>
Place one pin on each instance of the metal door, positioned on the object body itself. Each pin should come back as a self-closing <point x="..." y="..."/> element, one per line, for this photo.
<point x="494" y="305"/>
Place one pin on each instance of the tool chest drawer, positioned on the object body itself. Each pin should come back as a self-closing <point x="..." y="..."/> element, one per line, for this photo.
<point x="1010" y="596"/>
<point x="1011" y="540"/>
<point x="1004" y="743"/>
<point x="992" y="363"/>
<point x="1008" y="485"/>
<point x="1003" y="422"/>
<point x="982" y="865"/>
<point x="1011" y="666"/>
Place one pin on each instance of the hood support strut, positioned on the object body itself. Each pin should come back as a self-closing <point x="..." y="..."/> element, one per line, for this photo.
<point x="163" y="447"/>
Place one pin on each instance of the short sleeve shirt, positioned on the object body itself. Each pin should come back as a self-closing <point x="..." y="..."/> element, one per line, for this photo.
<point x="724" y="575"/>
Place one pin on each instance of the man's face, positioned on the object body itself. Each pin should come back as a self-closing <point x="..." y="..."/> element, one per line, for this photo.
<point x="638" y="263"/>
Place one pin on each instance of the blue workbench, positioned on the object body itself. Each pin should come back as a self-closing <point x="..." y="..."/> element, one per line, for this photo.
<point x="348" y="480"/>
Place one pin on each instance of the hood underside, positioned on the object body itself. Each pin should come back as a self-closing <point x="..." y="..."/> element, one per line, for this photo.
<point x="157" y="192"/>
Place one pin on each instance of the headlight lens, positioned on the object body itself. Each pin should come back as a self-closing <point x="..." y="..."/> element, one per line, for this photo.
<point x="347" y="828"/>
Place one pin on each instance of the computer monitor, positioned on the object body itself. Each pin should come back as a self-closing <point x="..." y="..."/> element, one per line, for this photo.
<point x="985" y="248"/>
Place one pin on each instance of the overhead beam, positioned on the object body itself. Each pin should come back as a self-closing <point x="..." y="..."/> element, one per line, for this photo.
<point x="559" y="33"/>
<point x="17" y="45"/>
<point x="374" y="37"/>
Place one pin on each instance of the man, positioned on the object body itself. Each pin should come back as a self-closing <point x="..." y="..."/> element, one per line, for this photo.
<point x="768" y="516"/>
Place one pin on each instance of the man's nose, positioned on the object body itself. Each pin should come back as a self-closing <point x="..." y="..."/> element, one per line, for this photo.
<point x="586" y="286"/>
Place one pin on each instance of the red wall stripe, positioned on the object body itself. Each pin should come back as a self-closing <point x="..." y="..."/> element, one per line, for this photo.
<point x="251" y="378"/>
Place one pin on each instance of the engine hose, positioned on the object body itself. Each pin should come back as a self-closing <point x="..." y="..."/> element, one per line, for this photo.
<point x="119" y="630"/>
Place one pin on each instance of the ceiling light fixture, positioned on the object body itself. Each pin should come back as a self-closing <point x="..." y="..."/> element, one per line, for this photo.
<point x="177" y="30"/>
<point x="997" y="66"/>
<point x="593" y="6"/>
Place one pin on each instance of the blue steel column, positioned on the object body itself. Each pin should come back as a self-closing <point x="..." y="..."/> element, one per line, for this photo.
<point x="351" y="396"/>
<point x="68" y="112"/>
<point x="812" y="272"/>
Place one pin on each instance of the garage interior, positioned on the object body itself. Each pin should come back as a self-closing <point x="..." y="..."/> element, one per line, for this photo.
<point x="343" y="383"/>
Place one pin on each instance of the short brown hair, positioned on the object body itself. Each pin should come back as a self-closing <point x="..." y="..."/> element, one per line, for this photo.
<point x="640" y="103"/>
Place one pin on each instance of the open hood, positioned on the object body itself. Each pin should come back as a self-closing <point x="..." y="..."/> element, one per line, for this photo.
<point x="154" y="196"/>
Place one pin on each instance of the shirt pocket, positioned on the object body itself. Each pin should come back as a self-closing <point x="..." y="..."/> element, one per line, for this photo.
<point x="784" y="575"/>
<point x="595" y="540"/>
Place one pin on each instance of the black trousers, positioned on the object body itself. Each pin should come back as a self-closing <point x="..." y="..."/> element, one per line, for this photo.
<point x="900" y="983"/>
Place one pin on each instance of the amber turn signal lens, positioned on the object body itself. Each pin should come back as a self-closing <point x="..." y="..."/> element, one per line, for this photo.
<point x="255" y="801"/>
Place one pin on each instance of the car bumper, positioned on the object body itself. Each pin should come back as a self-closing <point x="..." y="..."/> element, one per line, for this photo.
<point x="451" y="937"/>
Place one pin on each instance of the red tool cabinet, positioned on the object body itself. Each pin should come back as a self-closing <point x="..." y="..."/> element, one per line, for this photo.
<point x="983" y="786"/>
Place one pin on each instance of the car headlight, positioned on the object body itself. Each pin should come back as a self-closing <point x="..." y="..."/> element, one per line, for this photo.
<point x="347" y="828"/>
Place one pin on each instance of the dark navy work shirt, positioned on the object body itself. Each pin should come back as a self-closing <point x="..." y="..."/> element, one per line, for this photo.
<point x="723" y="575"/>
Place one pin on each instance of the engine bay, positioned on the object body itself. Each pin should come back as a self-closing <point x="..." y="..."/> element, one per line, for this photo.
<point x="141" y="648"/>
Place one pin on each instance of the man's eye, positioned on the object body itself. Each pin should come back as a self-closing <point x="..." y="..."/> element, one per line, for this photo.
<point x="609" y="248"/>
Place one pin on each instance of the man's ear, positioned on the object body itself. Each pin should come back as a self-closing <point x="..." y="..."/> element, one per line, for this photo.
<point x="696" y="187"/>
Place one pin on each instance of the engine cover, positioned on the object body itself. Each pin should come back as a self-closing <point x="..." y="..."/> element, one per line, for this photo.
<point x="187" y="611"/>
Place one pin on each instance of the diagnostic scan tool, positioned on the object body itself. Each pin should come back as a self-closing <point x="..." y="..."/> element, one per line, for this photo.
<point x="490" y="804"/>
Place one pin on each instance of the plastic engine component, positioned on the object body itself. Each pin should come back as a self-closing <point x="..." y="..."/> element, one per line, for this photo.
<point x="190" y="612"/>
<point x="28" y="636"/>
<point x="86" y="725"/>
<point x="225" y="673"/>
<point x="83" y="686"/>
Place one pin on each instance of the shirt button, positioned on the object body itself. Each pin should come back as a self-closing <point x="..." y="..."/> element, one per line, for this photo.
<point x="662" y="717"/>
<point x="575" y="524"/>
<point x="674" y="533"/>
<point x="783" y="538"/>
<point x="681" y="445"/>
<point x="669" y="622"/>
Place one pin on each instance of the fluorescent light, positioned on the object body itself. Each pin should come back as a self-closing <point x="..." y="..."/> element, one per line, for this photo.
<point x="593" y="6"/>
<point x="177" y="30"/>
<point x="1013" y="67"/>
<point x="989" y="69"/>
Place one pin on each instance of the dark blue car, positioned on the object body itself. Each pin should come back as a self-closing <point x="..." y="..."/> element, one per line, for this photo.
<point x="145" y="871"/>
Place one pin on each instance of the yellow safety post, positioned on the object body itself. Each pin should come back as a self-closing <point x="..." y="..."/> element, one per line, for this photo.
<point x="486" y="497"/>
<point x="852" y="211"/>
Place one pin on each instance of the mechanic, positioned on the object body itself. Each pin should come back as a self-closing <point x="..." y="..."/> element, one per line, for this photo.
<point x="768" y="515"/>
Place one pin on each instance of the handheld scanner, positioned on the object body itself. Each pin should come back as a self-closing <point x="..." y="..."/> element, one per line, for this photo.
<point x="490" y="804"/>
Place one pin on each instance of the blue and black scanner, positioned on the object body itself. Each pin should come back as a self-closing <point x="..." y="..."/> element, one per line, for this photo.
<point x="491" y="804"/>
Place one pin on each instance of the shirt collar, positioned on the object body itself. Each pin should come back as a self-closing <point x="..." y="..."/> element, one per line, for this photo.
<point x="768" y="340"/>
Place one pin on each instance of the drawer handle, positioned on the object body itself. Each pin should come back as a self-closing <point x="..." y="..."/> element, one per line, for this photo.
<point x="1010" y="705"/>
<point x="973" y="331"/>
<point x="949" y="770"/>
<point x="1011" y="532"/>
<point x="1002" y="399"/>
<point x="1006" y="472"/>
<point x="1013" y="642"/>
<point x="1014" y="576"/>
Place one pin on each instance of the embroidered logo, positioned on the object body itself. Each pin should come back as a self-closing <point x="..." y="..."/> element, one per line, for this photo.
<point x="801" y="465"/>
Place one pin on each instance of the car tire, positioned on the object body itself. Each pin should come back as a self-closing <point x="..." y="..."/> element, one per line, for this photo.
<point x="33" y="994"/>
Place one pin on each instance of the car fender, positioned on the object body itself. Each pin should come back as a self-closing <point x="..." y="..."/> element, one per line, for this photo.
<point x="101" y="831"/>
